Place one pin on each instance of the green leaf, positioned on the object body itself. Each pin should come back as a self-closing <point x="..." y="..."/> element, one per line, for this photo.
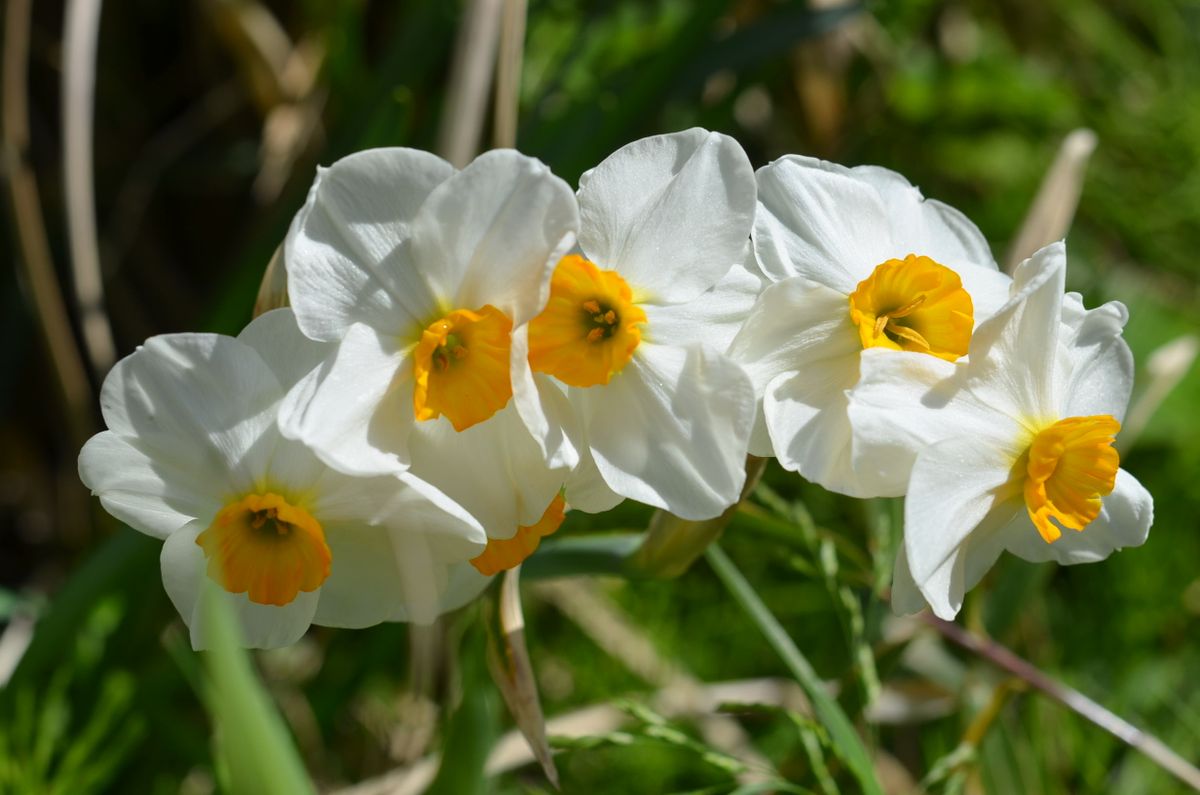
<point x="843" y="738"/>
<point x="590" y="554"/>
<point x="253" y="748"/>
<point x="471" y="730"/>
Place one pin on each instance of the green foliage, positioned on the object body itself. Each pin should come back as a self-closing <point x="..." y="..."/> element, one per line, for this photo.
<point x="253" y="753"/>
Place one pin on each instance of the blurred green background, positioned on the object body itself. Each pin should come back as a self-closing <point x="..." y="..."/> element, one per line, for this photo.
<point x="204" y="150"/>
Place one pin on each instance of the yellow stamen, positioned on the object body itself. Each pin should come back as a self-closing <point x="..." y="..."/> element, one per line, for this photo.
<point x="1072" y="465"/>
<point x="461" y="367"/>
<point x="501" y="554"/>
<point x="590" y="327"/>
<point x="929" y="298"/>
<point x="267" y="548"/>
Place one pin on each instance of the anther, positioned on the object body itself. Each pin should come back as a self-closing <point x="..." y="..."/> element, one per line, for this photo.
<point x="908" y="308"/>
<point x="610" y="317"/>
<point x="595" y="335"/>
<point x="592" y="306"/>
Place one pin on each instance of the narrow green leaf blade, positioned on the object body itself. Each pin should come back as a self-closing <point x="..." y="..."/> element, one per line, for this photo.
<point x="253" y="746"/>
<point x="843" y="738"/>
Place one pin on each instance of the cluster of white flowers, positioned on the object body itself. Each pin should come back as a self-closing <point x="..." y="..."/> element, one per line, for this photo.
<point x="468" y="353"/>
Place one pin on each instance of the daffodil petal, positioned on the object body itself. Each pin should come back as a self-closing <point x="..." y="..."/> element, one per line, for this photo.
<point x="543" y="408"/>
<point x="904" y="402"/>
<point x="1124" y="521"/>
<point x="1096" y="371"/>
<point x="277" y="338"/>
<point x="955" y="484"/>
<point x="363" y="588"/>
<point x="495" y="470"/>
<point x="492" y="233"/>
<point x="817" y="221"/>
<point x="907" y="598"/>
<point x="671" y="429"/>
<point x="792" y="324"/>
<point x="713" y="318"/>
<point x="172" y="396"/>
<point x="262" y="626"/>
<point x="1017" y="347"/>
<point x="672" y="213"/>
<point x="931" y="228"/>
<point x="586" y="490"/>
<point x="346" y="251"/>
<point x="156" y="496"/>
<point x="355" y="410"/>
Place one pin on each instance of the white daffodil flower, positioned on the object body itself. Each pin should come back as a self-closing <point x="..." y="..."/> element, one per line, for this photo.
<point x="425" y="278"/>
<point x="858" y="259"/>
<point x="193" y="456"/>
<point x="637" y="322"/>
<point x="1013" y="449"/>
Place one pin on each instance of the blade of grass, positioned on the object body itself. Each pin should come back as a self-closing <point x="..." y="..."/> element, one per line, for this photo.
<point x="843" y="738"/>
<point x="253" y="747"/>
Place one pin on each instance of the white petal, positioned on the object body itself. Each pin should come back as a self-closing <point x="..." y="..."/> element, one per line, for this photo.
<point x="955" y="484"/>
<point x="989" y="290"/>
<point x="585" y="489"/>
<point x="423" y="579"/>
<point x="906" y="596"/>
<point x="816" y="219"/>
<point x="543" y="407"/>
<point x="834" y="225"/>
<point x="671" y="429"/>
<point x="801" y="352"/>
<point x="347" y="252"/>
<point x="809" y="428"/>
<point x="262" y="626"/>
<point x="904" y="402"/>
<point x="403" y="502"/>
<point x="760" y="436"/>
<point x="363" y="588"/>
<point x="205" y="396"/>
<point x="156" y="496"/>
<point x="1095" y="373"/>
<point x="672" y="213"/>
<point x="1016" y="348"/>
<point x="278" y="340"/>
<point x="492" y="233"/>
<point x="790" y="321"/>
<point x="355" y="410"/>
<point x="713" y="318"/>
<point x="927" y="226"/>
<point x="494" y="469"/>
<point x="463" y="585"/>
<point x="1124" y="521"/>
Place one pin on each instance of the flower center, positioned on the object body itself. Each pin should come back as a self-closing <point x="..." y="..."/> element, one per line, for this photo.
<point x="590" y="327"/>
<point x="501" y="554"/>
<point x="267" y="548"/>
<point x="914" y="304"/>
<point x="461" y="367"/>
<point x="1072" y="465"/>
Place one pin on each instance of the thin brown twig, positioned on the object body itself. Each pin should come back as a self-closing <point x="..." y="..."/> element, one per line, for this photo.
<point x="1072" y="699"/>
<point x="470" y="76"/>
<point x="81" y="32"/>
<point x="508" y="74"/>
<point x="35" y="260"/>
